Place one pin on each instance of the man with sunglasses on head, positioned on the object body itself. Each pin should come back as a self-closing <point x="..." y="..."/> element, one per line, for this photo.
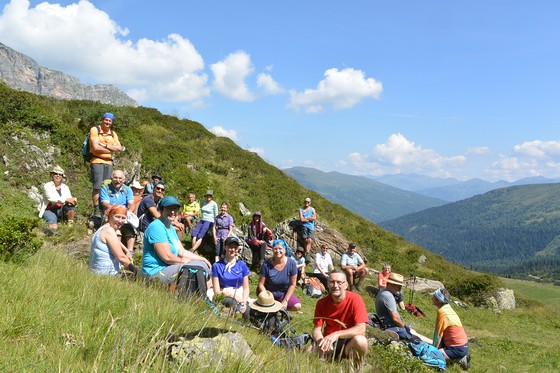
<point x="340" y="322"/>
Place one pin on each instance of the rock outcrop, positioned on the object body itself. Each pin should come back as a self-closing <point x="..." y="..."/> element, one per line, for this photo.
<point x="21" y="72"/>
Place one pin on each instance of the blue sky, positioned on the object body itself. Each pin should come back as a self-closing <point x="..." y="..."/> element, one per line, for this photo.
<point x="439" y="88"/>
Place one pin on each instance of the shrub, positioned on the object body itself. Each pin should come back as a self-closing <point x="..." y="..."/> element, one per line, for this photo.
<point x="474" y="286"/>
<point x="17" y="239"/>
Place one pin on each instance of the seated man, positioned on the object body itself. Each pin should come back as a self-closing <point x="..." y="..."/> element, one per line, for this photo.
<point x="386" y="306"/>
<point x="117" y="193"/>
<point x="344" y="316"/>
<point x="354" y="267"/>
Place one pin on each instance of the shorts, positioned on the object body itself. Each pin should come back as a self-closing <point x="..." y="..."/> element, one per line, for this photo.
<point x="100" y="172"/>
<point x="340" y="348"/>
<point x="456" y="352"/>
<point x="307" y="233"/>
<point x="291" y="302"/>
<point x="199" y="231"/>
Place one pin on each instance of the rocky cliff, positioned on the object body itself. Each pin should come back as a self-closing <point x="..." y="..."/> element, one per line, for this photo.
<point x="22" y="72"/>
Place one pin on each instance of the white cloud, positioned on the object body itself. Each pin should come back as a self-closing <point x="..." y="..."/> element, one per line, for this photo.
<point x="479" y="150"/>
<point x="222" y="132"/>
<point x="268" y="84"/>
<point x="82" y="40"/>
<point x="230" y="75"/>
<point x="341" y="89"/>
<point x="259" y="151"/>
<point x="538" y="149"/>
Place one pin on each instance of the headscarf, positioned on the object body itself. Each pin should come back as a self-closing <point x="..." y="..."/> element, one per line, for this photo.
<point x="285" y="245"/>
<point x="116" y="209"/>
<point x="439" y="296"/>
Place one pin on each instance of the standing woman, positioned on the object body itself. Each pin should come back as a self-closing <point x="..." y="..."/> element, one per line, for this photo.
<point x="279" y="276"/>
<point x="307" y="216"/>
<point x="107" y="255"/>
<point x="208" y="213"/>
<point x="58" y="203"/>
<point x="222" y="229"/>
<point x="449" y="334"/>
<point x="231" y="278"/>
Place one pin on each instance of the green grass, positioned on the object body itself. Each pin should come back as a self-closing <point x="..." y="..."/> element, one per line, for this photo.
<point x="546" y="294"/>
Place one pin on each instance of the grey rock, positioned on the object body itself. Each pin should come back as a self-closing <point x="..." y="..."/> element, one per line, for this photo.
<point x="505" y="299"/>
<point x="21" y="72"/>
<point x="422" y="259"/>
<point x="244" y="210"/>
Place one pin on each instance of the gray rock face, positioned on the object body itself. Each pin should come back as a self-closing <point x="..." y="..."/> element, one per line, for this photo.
<point x="21" y="72"/>
<point x="505" y="299"/>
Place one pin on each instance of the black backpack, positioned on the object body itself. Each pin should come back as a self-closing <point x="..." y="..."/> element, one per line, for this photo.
<point x="191" y="281"/>
<point x="272" y="323"/>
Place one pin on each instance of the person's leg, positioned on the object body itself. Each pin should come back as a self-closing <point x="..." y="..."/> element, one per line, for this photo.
<point x="97" y="176"/>
<point x="50" y="217"/>
<point x="198" y="234"/>
<point x="262" y="254"/>
<point x="218" y="250"/>
<point x="294" y="303"/>
<point x="255" y="251"/>
<point x="168" y="275"/>
<point x="356" y="350"/>
<point x="350" y="277"/>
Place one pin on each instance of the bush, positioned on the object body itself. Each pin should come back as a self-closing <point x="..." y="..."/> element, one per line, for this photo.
<point x="473" y="287"/>
<point x="17" y="239"/>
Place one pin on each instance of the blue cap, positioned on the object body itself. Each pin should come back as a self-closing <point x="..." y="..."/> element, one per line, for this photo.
<point x="169" y="201"/>
<point x="109" y="115"/>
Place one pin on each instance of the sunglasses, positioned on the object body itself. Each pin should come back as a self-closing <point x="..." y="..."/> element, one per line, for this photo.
<point x="57" y="174"/>
<point x="160" y="189"/>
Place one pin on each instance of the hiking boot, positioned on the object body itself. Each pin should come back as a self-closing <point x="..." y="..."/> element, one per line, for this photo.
<point x="358" y="287"/>
<point x="465" y="362"/>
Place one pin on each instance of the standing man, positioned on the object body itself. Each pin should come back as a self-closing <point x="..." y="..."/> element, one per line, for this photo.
<point x="344" y="316"/>
<point x="307" y="216"/>
<point x="117" y="193"/>
<point x="354" y="267"/>
<point x="103" y="142"/>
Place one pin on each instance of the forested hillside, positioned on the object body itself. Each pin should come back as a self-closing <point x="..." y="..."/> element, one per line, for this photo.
<point x="514" y="231"/>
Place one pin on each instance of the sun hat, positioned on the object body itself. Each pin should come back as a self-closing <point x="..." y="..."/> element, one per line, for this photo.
<point x="109" y="115"/>
<point x="307" y="200"/>
<point x="156" y="176"/>
<point x="232" y="239"/>
<point x="169" y="201"/>
<point x="58" y="170"/>
<point x="209" y="192"/>
<point x="136" y="185"/>
<point x="395" y="278"/>
<point x="265" y="303"/>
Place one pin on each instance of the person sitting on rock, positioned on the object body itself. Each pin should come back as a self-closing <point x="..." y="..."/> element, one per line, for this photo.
<point x="259" y="237"/>
<point x="164" y="254"/>
<point x="387" y="310"/>
<point x="230" y="277"/>
<point x="208" y="213"/>
<point x="300" y="262"/>
<point x="148" y="208"/>
<point x="279" y="275"/>
<point x="340" y="322"/>
<point x="137" y="190"/>
<point x="449" y="334"/>
<point x="58" y="203"/>
<point x="354" y="267"/>
<point x="190" y="211"/>
<point x="107" y="254"/>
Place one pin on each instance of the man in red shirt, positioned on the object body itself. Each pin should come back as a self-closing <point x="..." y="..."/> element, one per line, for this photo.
<point x="340" y="321"/>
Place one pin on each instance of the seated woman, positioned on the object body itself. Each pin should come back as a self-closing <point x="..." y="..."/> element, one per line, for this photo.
<point x="164" y="255"/>
<point x="208" y="213"/>
<point x="231" y="278"/>
<point x="58" y="203"/>
<point x="258" y="238"/>
<point x="107" y="255"/>
<point x="449" y="334"/>
<point x="279" y="276"/>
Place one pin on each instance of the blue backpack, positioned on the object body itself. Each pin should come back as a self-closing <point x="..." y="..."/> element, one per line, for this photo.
<point x="429" y="354"/>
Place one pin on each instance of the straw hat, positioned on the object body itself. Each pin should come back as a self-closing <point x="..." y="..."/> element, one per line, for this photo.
<point x="395" y="278"/>
<point x="58" y="170"/>
<point x="265" y="303"/>
<point x="136" y="185"/>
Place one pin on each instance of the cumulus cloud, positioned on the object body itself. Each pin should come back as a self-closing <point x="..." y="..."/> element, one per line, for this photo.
<point x="230" y="75"/>
<point x="538" y="149"/>
<point x="222" y="132"/>
<point x="479" y="150"/>
<point x="341" y="89"/>
<point x="259" y="151"/>
<point x="268" y="84"/>
<point x="82" y="40"/>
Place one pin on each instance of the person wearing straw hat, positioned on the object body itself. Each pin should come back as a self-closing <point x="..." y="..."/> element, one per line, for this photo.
<point x="387" y="309"/>
<point x="58" y="203"/>
<point x="137" y="190"/>
<point x="164" y="255"/>
<point x="340" y="321"/>
<point x="208" y="213"/>
<point x="449" y="334"/>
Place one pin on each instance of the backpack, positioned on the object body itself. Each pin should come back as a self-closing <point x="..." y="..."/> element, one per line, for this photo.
<point x="428" y="354"/>
<point x="313" y="287"/>
<point x="295" y="342"/>
<point x="272" y="323"/>
<point x="191" y="281"/>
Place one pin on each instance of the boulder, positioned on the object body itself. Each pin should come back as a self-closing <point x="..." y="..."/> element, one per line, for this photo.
<point x="505" y="299"/>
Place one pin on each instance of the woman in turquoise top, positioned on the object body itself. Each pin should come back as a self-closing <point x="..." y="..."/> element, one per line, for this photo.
<point x="208" y="213"/>
<point x="164" y="255"/>
<point x="107" y="254"/>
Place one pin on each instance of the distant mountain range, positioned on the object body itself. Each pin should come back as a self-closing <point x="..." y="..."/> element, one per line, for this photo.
<point x="373" y="200"/>
<point x="503" y="231"/>
<point x="452" y="189"/>
<point x="23" y="73"/>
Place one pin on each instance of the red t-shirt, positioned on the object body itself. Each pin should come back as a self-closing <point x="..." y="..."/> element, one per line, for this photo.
<point x="383" y="278"/>
<point x="351" y="311"/>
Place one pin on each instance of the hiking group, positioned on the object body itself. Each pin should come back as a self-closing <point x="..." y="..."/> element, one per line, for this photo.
<point x="123" y="213"/>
